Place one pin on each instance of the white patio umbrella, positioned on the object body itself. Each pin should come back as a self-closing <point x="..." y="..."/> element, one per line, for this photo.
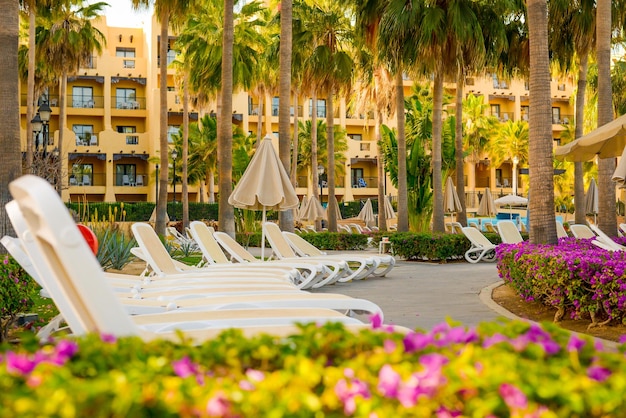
<point x="511" y="200"/>
<point x="389" y="212"/>
<point x="451" y="202"/>
<point x="367" y="213"/>
<point x="619" y="176"/>
<point x="487" y="206"/>
<point x="337" y="212"/>
<point x="313" y="210"/>
<point x="153" y="216"/>
<point x="591" y="200"/>
<point x="300" y="208"/>
<point x="264" y="185"/>
<point x="607" y="141"/>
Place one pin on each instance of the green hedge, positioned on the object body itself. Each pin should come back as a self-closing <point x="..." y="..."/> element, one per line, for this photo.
<point x="141" y="211"/>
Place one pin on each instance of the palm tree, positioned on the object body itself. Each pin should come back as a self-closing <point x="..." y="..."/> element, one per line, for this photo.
<point x="306" y="162"/>
<point x="168" y="12"/>
<point x="542" y="225"/>
<point x="284" y="122"/>
<point x="68" y="39"/>
<point x="607" y="219"/>
<point x="331" y="69"/>
<point x="572" y="30"/>
<point x="10" y="132"/>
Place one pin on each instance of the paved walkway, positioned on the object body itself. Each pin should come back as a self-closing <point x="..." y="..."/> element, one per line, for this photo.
<point x="421" y="294"/>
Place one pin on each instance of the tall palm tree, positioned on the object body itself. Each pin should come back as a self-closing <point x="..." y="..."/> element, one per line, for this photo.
<point x="10" y="107"/>
<point x="510" y="143"/>
<point x="306" y="162"/>
<point x="284" y="122"/>
<point x="607" y="219"/>
<point x="542" y="225"/>
<point x="572" y="32"/>
<point x="67" y="40"/>
<point x="167" y="12"/>
<point x="331" y="69"/>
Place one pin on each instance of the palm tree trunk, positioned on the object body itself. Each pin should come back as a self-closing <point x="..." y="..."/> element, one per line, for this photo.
<point x="382" y="216"/>
<point x="284" y="119"/>
<point x="259" y="127"/>
<point x="185" y="191"/>
<point x="607" y="217"/>
<point x="295" y="145"/>
<point x="161" y="206"/>
<point x="315" y="180"/>
<point x="30" y="94"/>
<point x="225" y="131"/>
<point x="542" y="224"/>
<point x="579" y="181"/>
<point x="461" y="216"/>
<point x="403" y="212"/>
<point x="438" y="215"/>
<point x="62" y="121"/>
<point x="11" y="166"/>
<point x="330" y="144"/>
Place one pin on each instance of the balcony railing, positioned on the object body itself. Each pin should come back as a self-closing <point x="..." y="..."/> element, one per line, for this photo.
<point x="124" y="103"/>
<point x="562" y="119"/>
<point x="363" y="182"/>
<point x="86" y="139"/>
<point x="132" y="139"/>
<point x="131" y="180"/>
<point x="87" y="179"/>
<point x="87" y="102"/>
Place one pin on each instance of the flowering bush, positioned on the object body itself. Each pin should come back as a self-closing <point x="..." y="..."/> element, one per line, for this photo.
<point x="573" y="276"/>
<point x="516" y="369"/>
<point x="16" y="294"/>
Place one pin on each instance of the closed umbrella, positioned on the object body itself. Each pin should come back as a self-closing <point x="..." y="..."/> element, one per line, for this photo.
<point x="298" y="211"/>
<point x="337" y="212"/>
<point x="487" y="206"/>
<point x="389" y="212"/>
<point x="153" y="217"/>
<point x="313" y="210"/>
<point x="591" y="200"/>
<point x="451" y="202"/>
<point x="367" y="213"/>
<point x="264" y="185"/>
<point x="619" y="176"/>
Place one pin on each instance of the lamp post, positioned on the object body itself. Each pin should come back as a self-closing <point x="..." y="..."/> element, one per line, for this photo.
<point x="37" y="125"/>
<point x="156" y="198"/>
<point x="320" y="172"/>
<point x="174" y="156"/>
<point x="45" y="112"/>
<point x="514" y="180"/>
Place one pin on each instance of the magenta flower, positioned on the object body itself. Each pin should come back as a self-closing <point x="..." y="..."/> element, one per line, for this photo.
<point x="575" y="343"/>
<point x="349" y="392"/>
<point x="185" y="367"/>
<point x="513" y="396"/>
<point x="376" y="320"/>
<point x="598" y="373"/>
<point x="218" y="405"/>
<point x="108" y="338"/>
<point x="416" y="341"/>
<point x="388" y="381"/>
<point x="20" y="363"/>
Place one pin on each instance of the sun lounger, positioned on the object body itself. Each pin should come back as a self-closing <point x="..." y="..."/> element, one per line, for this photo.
<point x="581" y="231"/>
<point x="560" y="230"/>
<point x="362" y="265"/>
<point x="508" y="232"/>
<point x="481" y="247"/>
<point x="605" y="239"/>
<point x="489" y="227"/>
<point x="283" y="251"/>
<point x="68" y="261"/>
<point x="213" y="254"/>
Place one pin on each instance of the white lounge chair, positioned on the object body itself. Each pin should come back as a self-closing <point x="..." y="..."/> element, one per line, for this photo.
<point x="84" y="295"/>
<point x="560" y="230"/>
<point x="605" y="239"/>
<point x="581" y="231"/>
<point x="481" y="247"/>
<point x="508" y="232"/>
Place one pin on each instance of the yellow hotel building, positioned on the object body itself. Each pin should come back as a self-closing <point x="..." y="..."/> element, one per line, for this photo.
<point x="112" y="125"/>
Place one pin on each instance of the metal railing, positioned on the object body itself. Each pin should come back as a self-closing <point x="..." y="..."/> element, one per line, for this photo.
<point x="124" y="103"/>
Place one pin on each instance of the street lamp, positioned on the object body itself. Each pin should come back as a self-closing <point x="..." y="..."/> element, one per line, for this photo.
<point x="514" y="180"/>
<point x="320" y="173"/>
<point x="174" y="156"/>
<point x="37" y="125"/>
<point x="157" y="184"/>
<point x="45" y="112"/>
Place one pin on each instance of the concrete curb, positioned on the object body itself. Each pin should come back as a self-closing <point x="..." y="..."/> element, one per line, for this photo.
<point x="485" y="297"/>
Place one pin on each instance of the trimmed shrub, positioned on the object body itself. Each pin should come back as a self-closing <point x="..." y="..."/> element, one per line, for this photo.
<point x="17" y="290"/>
<point x="433" y="247"/>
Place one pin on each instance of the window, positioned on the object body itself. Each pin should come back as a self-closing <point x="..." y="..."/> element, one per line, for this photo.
<point x="321" y="108"/>
<point x="469" y="81"/>
<point x="525" y="110"/>
<point x="82" y="174"/>
<point x="83" y="134"/>
<point x="556" y="115"/>
<point x="364" y="146"/>
<point x="561" y="87"/>
<point x="126" y="99"/>
<point x="171" y="131"/>
<point x="356" y="137"/>
<point x="275" y="104"/>
<point x="126" y="53"/>
<point x="495" y="110"/>
<point x="125" y="174"/>
<point x="356" y="176"/>
<point x="130" y="139"/>
<point x="82" y="96"/>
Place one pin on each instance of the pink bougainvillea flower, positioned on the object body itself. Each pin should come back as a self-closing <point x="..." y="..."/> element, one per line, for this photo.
<point x="108" y="338"/>
<point x="513" y="396"/>
<point x="416" y="341"/>
<point x="598" y="373"/>
<point x="349" y="392"/>
<point x="376" y="320"/>
<point x="389" y="346"/>
<point x="218" y="405"/>
<point x="388" y="381"/>
<point x="575" y="343"/>
<point x="255" y="375"/>
<point x="20" y="363"/>
<point x="185" y="367"/>
<point x="622" y="339"/>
